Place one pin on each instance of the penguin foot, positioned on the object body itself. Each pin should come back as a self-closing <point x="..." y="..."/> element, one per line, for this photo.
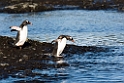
<point x="58" y="56"/>
<point x="11" y="44"/>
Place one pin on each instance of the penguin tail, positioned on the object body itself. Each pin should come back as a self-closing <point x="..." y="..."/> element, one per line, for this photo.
<point x="11" y="44"/>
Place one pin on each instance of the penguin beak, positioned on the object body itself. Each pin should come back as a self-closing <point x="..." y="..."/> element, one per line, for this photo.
<point x="30" y="23"/>
<point x="72" y="40"/>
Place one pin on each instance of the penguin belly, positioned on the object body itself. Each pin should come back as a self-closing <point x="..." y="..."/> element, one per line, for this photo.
<point x="22" y="37"/>
<point x="61" y="46"/>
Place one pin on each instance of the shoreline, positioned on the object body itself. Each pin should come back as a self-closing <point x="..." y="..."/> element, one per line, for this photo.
<point x="25" y="6"/>
<point x="31" y="56"/>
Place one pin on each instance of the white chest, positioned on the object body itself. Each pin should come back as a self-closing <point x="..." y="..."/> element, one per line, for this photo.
<point x="61" y="46"/>
<point x="23" y="33"/>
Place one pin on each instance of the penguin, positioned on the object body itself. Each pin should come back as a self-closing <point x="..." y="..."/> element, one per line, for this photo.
<point x="22" y="32"/>
<point x="60" y="44"/>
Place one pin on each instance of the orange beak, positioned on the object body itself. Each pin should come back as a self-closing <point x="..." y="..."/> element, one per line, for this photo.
<point x="72" y="40"/>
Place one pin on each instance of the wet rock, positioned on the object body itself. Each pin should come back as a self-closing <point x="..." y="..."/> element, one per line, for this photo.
<point x="21" y="6"/>
<point x="121" y="8"/>
<point x="33" y="55"/>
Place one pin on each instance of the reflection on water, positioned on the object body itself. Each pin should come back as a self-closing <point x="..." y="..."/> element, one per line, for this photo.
<point x="90" y="67"/>
<point x="89" y="28"/>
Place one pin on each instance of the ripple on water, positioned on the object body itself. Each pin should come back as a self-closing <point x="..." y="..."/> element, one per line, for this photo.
<point x="88" y="67"/>
<point x="89" y="28"/>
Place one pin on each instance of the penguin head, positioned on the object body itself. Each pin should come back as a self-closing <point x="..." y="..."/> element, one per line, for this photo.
<point x="67" y="37"/>
<point x="63" y="36"/>
<point x="26" y="22"/>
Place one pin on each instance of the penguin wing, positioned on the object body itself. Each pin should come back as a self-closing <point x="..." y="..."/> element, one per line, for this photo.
<point x="55" y="49"/>
<point x="54" y="41"/>
<point x="15" y="28"/>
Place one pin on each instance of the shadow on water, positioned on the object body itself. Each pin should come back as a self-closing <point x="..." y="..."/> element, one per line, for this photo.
<point x="53" y="70"/>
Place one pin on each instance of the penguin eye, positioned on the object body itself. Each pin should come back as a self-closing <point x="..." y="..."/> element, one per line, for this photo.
<point x="71" y="38"/>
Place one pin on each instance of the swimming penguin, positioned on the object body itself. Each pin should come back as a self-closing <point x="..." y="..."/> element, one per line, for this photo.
<point x="60" y="44"/>
<point x="22" y="32"/>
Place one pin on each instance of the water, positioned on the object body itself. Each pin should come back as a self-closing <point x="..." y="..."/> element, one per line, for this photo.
<point x="89" y="28"/>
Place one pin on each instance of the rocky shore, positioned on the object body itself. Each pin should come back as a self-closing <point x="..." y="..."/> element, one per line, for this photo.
<point x="22" y="6"/>
<point x="34" y="55"/>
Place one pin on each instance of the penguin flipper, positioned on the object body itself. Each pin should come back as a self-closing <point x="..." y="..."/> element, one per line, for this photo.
<point x="54" y="52"/>
<point x="54" y="41"/>
<point x="15" y="28"/>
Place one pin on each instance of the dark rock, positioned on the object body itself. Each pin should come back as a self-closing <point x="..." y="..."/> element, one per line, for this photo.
<point x="22" y="6"/>
<point x="34" y="55"/>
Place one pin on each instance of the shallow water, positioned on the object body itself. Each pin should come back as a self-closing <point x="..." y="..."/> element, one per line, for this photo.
<point x="89" y="28"/>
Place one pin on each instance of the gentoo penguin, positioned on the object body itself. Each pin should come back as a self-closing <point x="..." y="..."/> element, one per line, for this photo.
<point x="22" y="32"/>
<point x="60" y="44"/>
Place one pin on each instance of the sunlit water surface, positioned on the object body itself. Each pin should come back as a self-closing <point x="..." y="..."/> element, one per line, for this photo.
<point x="88" y="28"/>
